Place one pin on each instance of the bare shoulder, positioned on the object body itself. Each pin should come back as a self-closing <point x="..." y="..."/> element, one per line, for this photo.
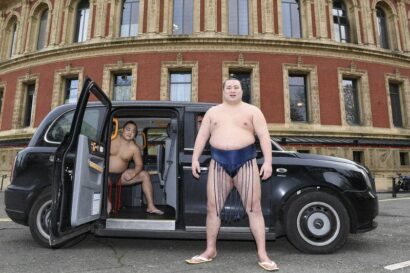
<point x="134" y="147"/>
<point x="212" y="111"/>
<point x="252" y="109"/>
<point x="115" y="142"/>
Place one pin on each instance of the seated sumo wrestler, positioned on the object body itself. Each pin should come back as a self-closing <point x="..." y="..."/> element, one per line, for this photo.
<point x="123" y="150"/>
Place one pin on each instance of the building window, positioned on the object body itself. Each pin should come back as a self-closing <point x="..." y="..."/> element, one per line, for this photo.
<point x="351" y="100"/>
<point x="71" y="90"/>
<point x="13" y="40"/>
<point x="83" y="11"/>
<point x="404" y="159"/>
<point x="340" y="22"/>
<point x="180" y="86"/>
<point x="29" y="96"/>
<point x="130" y="18"/>
<point x="298" y="98"/>
<point x="1" y="100"/>
<point x="395" y="101"/>
<point x="245" y="79"/>
<point x="42" y="30"/>
<point x="291" y="18"/>
<point x="358" y="156"/>
<point x="238" y="17"/>
<point x="382" y="28"/>
<point x="122" y="87"/>
<point x="183" y="17"/>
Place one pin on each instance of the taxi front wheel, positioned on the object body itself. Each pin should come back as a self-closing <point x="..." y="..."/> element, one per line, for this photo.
<point x="317" y="223"/>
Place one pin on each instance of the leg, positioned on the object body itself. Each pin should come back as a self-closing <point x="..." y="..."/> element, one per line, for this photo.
<point x="248" y="185"/>
<point x="144" y="178"/>
<point x="218" y="186"/>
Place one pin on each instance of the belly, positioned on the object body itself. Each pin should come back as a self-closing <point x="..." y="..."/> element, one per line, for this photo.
<point x="117" y="165"/>
<point x="232" y="139"/>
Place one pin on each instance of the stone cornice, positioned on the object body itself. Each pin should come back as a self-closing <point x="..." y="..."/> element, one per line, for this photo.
<point x="209" y="44"/>
<point x="311" y="130"/>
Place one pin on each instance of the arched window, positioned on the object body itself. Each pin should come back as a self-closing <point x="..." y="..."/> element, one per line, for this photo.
<point x="42" y="30"/>
<point x="291" y="18"/>
<point x="83" y="10"/>
<point x="382" y="31"/>
<point x="340" y="22"/>
<point x="130" y="18"/>
<point x="12" y="39"/>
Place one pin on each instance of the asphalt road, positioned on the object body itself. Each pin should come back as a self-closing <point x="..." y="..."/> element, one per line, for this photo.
<point x="368" y="252"/>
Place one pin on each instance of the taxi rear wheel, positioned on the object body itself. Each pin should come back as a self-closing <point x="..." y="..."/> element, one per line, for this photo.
<point x="317" y="222"/>
<point x="39" y="218"/>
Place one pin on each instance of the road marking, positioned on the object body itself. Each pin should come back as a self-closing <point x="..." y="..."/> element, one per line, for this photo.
<point x="397" y="266"/>
<point x="5" y="220"/>
<point x="395" y="199"/>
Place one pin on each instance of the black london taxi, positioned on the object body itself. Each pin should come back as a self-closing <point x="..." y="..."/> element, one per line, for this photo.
<point x="59" y="182"/>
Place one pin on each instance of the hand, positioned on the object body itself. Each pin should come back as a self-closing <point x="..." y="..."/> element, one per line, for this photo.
<point x="266" y="171"/>
<point x="129" y="174"/>
<point x="196" y="169"/>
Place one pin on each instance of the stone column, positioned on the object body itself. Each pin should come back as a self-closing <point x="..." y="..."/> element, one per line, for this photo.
<point x="267" y="17"/>
<point x="210" y="16"/>
<point x="404" y="25"/>
<point x="368" y="21"/>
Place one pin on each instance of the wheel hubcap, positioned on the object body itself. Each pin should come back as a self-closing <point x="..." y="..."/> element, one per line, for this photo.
<point x="42" y="220"/>
<point x="318" y="223"/>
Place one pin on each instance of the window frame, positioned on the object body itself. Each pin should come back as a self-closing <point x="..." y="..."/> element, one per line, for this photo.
<point x="238" y="18"/>
<point x="178" y="65"/>
<point x="179" y="72"/>
<point x="398" y="93"/>
<point x="283" y="23"/>
<point x="363" y="93"/>
<point x="312" y="85"/>
<point x="306" y="97"/>
<point x="3" y="90"/>
<point x="27" y="113"/>
<point x="42" y="29"/>
<point x="185" y="15"/>
<point x="344" y="9"/>
<point x="20" y="101"/>
<point x="131" y="3"/>
<point x="66" y="88"/>
<point x="121" y="73"/>
<point x="382" y="40"/>
<point x="404" y="85"/>
<point x="356" y="99"/>
<point x="81" y="20"/>
<point x="12" y="42"/>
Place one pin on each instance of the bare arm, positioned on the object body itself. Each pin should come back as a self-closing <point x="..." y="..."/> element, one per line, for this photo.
<point x="131" y="173"/>
<point x="261" y="129"/>
<point x="200" y="142"/>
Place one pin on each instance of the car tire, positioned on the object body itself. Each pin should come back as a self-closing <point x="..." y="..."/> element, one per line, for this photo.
<point x="317" y="223"/>
<point x="39" y="218"/>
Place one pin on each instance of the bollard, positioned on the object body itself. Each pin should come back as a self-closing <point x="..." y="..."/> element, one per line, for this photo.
<point x="2" y="180"/>
<point x="393" y="187"/>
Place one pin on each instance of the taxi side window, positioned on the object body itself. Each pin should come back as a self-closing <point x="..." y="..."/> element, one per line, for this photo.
<point x="61" y="127"/>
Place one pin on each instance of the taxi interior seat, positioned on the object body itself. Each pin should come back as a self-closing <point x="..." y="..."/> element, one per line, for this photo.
<point x="166" y="164"/>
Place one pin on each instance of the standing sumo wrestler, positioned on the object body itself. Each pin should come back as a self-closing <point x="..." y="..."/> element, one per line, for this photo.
<point x="231" y="128"/>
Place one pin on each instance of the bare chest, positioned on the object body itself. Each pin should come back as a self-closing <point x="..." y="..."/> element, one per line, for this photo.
<point x="121" y="151"/>
<point x="232" y="120"/>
